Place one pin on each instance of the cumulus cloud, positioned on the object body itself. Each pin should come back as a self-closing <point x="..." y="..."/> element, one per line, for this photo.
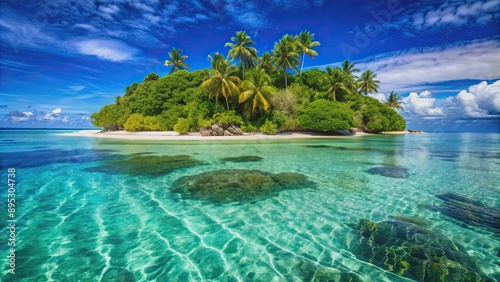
<point x="480" y="100"/>
<point x="112" y="50"/>
<point x="421" y="104"/>
<point x="53" y="115"/>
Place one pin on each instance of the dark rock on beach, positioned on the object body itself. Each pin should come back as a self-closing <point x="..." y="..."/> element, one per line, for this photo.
<point x="220" y="130"/>
<point x="415" y="252"/>
<point x="225" y="186"/>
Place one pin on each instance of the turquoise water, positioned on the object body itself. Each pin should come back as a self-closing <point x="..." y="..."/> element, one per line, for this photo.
<point x="79" y="222"/>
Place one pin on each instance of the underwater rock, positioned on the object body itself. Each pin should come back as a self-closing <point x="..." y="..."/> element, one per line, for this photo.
<point x="317" y="146"/>
<point x="242" y="159"/>
<point x="390" y="171"/>
<point x="469" y="211"/>
<point x="413" y="251"/>
<point x="42" y="157"/>
<point x="224" y="186"/>
<point x="315" y="273"/>
<point x="145" y="165"/>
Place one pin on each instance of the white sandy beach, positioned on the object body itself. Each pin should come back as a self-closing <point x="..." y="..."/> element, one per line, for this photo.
<point x="174" y="136"/>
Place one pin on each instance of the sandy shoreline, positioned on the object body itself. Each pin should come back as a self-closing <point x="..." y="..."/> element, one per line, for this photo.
<point x="173" y="136"/>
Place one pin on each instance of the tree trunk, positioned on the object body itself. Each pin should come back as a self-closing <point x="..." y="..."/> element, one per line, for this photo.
<point x="216" y="102"/>
<point x="286" y="84"/>
<point x="303" y="59"/>
<point x="227" y="104"/>
<point x="243" y="69"/>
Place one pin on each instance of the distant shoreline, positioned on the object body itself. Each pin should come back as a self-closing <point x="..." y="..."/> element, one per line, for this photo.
<point x="174" y="136"/>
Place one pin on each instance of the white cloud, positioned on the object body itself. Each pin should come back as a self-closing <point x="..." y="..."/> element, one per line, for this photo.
<point x="65" y="119"/>
<point x="379" y="96"/>
<point x="86" y="27"/>
<point x="421" y="104"/>
<point x="28" y="114"/>
<point x="112" y="50"/>
<point x="77" y="88"/>
<point x="455" y="13"/>
<point x="473" y="60"/>
<point x="53" y="115"/>
<point x="110" y="9"/>
<point x="480" y="100"/>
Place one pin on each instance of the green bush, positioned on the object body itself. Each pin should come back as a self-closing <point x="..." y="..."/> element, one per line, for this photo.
<point x="205" y="123"/>
<point x="111" y="117"/>
<point x="248" y="127"/>
<point x="135" y="123"/>
<point x="229" y="117"/>
<point x="323" y="115"/>
<point x="182" y="126"/>
<point x="269" y="128"/>
<point x="153" y="123"/>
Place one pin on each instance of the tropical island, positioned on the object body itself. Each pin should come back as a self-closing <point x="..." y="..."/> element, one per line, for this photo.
<point x="257" y="95"/>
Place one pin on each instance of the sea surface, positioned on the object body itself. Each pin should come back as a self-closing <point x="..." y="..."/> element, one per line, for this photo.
<point x="115" y="210"/>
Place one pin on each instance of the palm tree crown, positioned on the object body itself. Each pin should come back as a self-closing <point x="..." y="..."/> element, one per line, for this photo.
<point x="339" y="84"/>
<point x="367" y="82"/>
<point x="241" y="50"/>
<point x="305" y="44"/>
<point x="265" y="63"/>
<point x="349" y="68"/>
<point x="221" y="81"/>
<point x="257" y="89"/>
<point x="176" y="61"/>
<point x="285" y="56"/>
<point x="394" y="101"/>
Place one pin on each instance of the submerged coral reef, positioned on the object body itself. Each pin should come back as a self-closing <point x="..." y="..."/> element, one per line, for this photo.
<point x="224" y="186"/>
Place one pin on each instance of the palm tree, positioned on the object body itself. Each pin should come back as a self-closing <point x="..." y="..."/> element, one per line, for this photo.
<point x="394" y="101"/>
<point x="176" y="61"/>
<point x="221" y="82"/>
<point x="285" y="56"/>
<point x="241" y="50"/>
<point x="339" y="84"/>
<point x="305" y="44"/>
<point x="256" y="87"/>
<point x="367" y="82"/>
<point x="349" y="67"/>
<point x="265" y="63"/>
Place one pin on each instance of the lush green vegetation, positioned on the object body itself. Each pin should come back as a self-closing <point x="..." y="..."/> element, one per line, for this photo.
<point x="259" y="94"/>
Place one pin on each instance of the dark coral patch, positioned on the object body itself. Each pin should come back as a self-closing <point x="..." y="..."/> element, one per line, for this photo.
<point x="242" y="159"/>
<point x="413" y="251"/>
<point x="390" y="171"/>
<point x="145" y="165"/>
<point x="469" y="211"/>
<point x="225" y="186"/>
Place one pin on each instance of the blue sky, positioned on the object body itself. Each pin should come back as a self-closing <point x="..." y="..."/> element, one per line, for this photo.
<point x="63" y="60"/>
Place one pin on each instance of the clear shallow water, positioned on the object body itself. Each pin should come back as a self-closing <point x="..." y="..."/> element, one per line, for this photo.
<point x="75" y="223"/>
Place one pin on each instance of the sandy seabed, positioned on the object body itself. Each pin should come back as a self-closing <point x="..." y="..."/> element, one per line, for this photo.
<point x="173" y="136"/>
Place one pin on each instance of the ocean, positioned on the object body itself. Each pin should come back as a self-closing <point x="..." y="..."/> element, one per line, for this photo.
<point x="372" y="208"/>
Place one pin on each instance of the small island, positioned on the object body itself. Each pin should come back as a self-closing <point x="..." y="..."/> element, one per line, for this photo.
<point x="257" y="95"/>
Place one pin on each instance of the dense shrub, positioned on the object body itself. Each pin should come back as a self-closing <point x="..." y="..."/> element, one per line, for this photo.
<point x="228" y="117"/>
<point x="135" y="123"/>
<point x="269" y="128"/>
<point x="182" y="126"/>
<point x="324" y="115"/>
<point x="111" y="117"/>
